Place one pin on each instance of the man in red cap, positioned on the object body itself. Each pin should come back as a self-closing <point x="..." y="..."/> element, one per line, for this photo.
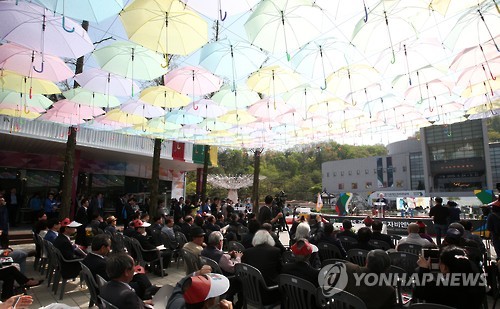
<point x="301" y="268"/>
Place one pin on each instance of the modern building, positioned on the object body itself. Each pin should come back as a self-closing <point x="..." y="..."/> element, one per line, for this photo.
<point x="448" y="160"/>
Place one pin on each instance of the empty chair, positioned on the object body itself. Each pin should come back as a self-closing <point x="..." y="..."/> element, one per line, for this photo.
<point x="379" y="244"/>
<point x="297" y="293"/>
<point x="415" y="249"/>
<point x="42" y="252"/>
<point x="347" y="242"/>
<point x="52" y="261"/>
<point x="328" y="251"/>
<point x="255" y="291"/>
<point x="339" y="300"/>
<point x="405" y="260"/>
<point x="91" y="285"/>
<point x="400" y="274"/>
<point x="357" y="256"/>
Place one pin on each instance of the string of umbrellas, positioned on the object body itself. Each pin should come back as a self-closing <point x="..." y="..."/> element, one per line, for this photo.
<point x="248" y="73"/>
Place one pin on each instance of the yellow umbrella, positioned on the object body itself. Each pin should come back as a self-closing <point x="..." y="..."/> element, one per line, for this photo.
<point x="164" y="97"/>
<point x="165" y="26"/>
<point x="273" y="80"/>
<point x="237" y="117"/>
<point x="352" y="78"/>
<point x="26" y="113"/>
<point x="478" y="89"/>
<point x="117" y="115"/>
<point x="23" y="84"/>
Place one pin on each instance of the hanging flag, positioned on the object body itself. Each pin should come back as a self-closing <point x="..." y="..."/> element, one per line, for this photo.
<point x="319" y="203"/>
<point x="342" y="201"/>
<point x="485" y="196"/>
<point x="213" y="155"/>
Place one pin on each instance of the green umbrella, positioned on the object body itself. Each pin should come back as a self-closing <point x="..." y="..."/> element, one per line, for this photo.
<point x="130" y="60"/>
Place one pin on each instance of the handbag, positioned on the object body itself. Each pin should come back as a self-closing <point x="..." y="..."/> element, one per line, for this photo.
<point x="6" y="261"/>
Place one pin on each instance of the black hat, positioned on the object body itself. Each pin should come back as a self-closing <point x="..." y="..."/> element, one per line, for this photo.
<point x="196" y="231"/>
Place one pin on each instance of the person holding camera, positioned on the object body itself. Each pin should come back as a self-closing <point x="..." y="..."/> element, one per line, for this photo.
<point x="265" y="213"/>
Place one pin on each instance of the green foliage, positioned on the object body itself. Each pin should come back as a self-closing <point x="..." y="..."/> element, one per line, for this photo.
<point x="296" y="171"/>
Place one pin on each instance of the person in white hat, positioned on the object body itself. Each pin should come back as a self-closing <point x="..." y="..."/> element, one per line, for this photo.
<point x="68" y="250"/>
<point x="200" y="291"/>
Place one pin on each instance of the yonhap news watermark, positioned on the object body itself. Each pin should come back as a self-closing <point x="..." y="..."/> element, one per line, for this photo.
<point x="334" y="278"/>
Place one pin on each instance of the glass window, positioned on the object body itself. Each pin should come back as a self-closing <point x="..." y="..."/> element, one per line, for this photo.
<point x="350" y="173"/>
<point x="358" y="172"/>
<point x="342" y="173"/>
<point x="341" y="186"/>
<point x="368" y="184"/>
<point x="354" y="185"/>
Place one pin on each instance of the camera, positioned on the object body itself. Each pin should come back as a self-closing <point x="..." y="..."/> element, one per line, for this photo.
<point x="280" y="199"/>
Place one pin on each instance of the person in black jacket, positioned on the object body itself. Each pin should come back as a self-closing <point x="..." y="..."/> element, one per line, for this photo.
<point x="120" y="269"/>
<point x="440" y="215"/>
<point x="68" y="250"/>
<point x="96" y="262"/>
<point x="148" y="244"/>
<point x="377" y="226"/>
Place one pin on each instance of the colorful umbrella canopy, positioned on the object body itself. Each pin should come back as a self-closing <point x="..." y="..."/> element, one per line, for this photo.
<point x="181" y="117"/>
<point x="107" y="83"/>
<point x="130" y="60"/>
<point x="166" y="26"/>
<point x="68" y="119"/>
<point x="118" y="116"/>
<point x="19" y="112"/>
<point x="34" y="27"/>
<point x="31" y="63"/>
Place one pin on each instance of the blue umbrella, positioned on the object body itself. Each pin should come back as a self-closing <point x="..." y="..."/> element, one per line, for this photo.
<point x="231" y="59"/>
<point x="181" y="117"/>
<point x="92" y="10"/>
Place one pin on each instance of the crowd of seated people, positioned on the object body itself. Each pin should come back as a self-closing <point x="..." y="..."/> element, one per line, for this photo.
<point x="209" y="233"/>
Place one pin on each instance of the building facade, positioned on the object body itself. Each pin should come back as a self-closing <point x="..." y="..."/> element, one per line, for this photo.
<point x="448" y="160"/>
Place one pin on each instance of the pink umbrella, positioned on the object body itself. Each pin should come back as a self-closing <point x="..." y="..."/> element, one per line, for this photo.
<point x="192" y="81"/>
<point x="36" y="28"/>
<point x="141" y="108"/>
<point x="61" y="117"/>
<point x="269" y="108"/>
<point x="101" y="81"/>
<point x="206" y="108"/>
<point x="72" y="108"/>
<point x="31" y="63"/>
<point x="479" y="73"/>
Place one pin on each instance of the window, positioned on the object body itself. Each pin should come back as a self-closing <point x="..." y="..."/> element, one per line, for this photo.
<point x="394" y="169"/>
<point x="350" y="173"/>
<point x="375" y="171"/>
<point x="368" y="185"/>
<point x="341" y="186"/>
<point x="367" y="171"/>
<point x="399" y="183"/>
<point x="327" y="175"/>
<point x="404" y="168"/>
<point x="334" y="174"/>
<point x="358" y="172"/>
<point x="354" y="185"/>
<point x="342" y="173"/>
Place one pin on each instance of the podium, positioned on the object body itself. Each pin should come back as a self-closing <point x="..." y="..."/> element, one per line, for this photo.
<point x="381" y="208"/>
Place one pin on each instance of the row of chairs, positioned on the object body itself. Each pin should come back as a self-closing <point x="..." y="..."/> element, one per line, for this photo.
<point x="50" y="261"/>
<point x="349" y="242"/>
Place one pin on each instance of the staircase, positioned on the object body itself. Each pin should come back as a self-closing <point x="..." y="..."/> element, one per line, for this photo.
<point x="20" y="236"/>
